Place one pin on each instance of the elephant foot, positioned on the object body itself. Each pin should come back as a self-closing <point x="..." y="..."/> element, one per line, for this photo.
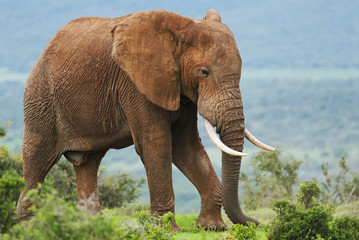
<point x="175" y="228"/>
<point x="208" y="222"/>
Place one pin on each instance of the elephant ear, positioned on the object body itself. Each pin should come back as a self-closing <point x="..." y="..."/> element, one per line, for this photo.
<point x="144" y="47"/>
<point x="212" y="15"/>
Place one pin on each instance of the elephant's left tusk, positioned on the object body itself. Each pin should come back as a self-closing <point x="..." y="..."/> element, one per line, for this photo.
<point x="215" y="139"/>
<point x="256" y="142"/>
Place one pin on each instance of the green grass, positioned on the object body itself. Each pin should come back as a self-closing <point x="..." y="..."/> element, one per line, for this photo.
<point x="187" y="222"/>
<point x="189" y="230"/>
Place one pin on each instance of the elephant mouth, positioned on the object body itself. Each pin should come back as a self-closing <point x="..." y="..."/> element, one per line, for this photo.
<point x="215" y="139"/>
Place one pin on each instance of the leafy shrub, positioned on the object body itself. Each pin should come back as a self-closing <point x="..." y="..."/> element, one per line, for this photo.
<point x="58" y="219"/>
<point x="115" y="190"/>
<point x="62" y="178"/>
<point x="308" y="193"/>
<point x="239" y="231"/>
<point x="295" y="222"/>
<point x="156" y="227"/>
<point x="10" y="161"/>
<point x="11" y="184"/>
<point x="345" y="228"/>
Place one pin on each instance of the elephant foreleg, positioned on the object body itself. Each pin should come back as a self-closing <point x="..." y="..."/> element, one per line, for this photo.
<point x="189" y="155"/>
<point x="153" y="144"/>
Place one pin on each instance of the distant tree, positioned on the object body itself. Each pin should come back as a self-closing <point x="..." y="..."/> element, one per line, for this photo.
<point x="342" y="187"/>
<point x="273" y="177"/>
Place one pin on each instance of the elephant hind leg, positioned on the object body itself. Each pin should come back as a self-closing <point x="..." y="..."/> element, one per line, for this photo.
<point x="39" y="156"/>
<point x="86" y="178"/>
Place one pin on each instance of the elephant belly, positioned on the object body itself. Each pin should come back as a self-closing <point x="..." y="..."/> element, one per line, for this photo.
<point x="91" y="131"/>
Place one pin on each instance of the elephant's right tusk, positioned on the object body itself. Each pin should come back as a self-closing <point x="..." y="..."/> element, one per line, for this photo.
<point x="215" y="139"/>
<point x="256" y="142"/>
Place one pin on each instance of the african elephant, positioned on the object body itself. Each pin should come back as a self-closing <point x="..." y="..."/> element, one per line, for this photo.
<point x="140" y="79"/>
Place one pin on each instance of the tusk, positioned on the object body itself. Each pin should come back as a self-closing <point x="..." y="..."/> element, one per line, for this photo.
<point x="256" y="142"/>
<point x="213" y="136"/>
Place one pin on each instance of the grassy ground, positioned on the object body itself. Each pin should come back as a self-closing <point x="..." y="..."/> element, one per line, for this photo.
<point x="187" y="222"/>
<point x="189" y="230"/>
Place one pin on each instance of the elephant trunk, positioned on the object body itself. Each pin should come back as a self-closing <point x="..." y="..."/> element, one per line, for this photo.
<point x="232" y="135"/>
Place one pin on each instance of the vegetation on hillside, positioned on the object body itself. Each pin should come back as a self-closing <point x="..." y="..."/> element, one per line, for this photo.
<point x="274" y="176"/>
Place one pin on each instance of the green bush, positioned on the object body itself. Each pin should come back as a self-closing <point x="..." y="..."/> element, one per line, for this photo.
<point x="307" y="194"/>
<point x="10" y="161"/>
<point x="11" y="184"/>
<point x="345" y="228"/>
<point x="156" y="227"/>
<point x="308" y="219"/>
<point x="114" y="189"/>
<point x="62" y="178"/>
<point x="117" y="189"/>
<point x="58" y="219"/>
<point x="239" y="231"/>
<point x="296" y="223"/>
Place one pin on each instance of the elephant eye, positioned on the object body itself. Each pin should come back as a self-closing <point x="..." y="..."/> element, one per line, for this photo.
<point x="203" y="72"/>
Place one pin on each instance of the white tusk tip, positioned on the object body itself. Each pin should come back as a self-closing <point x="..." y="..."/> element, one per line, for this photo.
<point x="213" y="136"/>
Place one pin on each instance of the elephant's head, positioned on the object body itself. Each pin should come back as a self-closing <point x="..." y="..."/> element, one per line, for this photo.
<point x="168" y="55"/>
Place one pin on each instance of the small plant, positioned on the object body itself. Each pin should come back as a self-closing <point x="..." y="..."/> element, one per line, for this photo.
<point x="345" y="228"/>
<point x="156" y="227"/>
<point x="239" y="231"/>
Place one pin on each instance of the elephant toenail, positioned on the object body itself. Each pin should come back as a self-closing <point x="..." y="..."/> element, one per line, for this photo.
<point x="212" y="227"/>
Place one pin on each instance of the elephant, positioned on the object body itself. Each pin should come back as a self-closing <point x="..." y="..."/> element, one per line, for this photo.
<point x="139" y="79"/>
